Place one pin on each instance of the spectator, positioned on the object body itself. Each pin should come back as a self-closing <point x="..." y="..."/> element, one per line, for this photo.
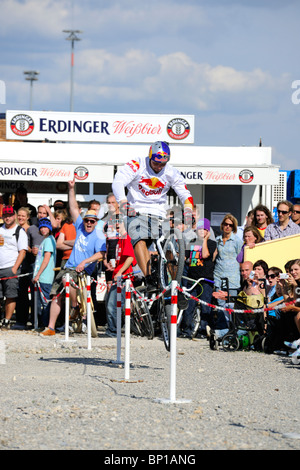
<point x="251" y="237"/>
<point x="65" y="241"/>
<point x="262" y="218"/>
<point x="124" y="260"/>
<point x="273" y="290"/>
<point x="296" y="214"/>
<point x="21" y="200"/>
<point x="294" y="283"/>
<point x="44" y="269"/>
<point x="87" y="250"/>
<point x="201" y="265"/>
<point x="285" y="226"/>
<point x="13" y="247"/>
<point x="22" y="301"/>
<point x="228" y="246"/>
<point x="23" y="217"/>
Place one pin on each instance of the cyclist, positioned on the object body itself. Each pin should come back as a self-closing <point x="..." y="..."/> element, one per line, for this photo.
<point x="148" y="180"/>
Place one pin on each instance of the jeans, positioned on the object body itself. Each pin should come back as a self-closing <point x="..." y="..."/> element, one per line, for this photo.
<point x="111" y="309"/>
<point x="43" y="307"/>
<point x="206" y="313"/>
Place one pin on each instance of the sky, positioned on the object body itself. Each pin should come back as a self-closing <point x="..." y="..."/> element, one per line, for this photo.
<point x="233" y="64"/>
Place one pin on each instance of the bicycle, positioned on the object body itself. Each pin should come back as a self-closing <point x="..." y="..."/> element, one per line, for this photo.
<point x="197" y="311"/>
<point x="76" y="320"/>
<point x="166" y="266"/>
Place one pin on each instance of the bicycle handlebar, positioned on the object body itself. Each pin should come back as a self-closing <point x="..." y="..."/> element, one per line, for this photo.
<point x="196" y="282"/>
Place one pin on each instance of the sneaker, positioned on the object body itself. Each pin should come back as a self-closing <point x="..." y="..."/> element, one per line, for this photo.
<point x="5" y="324"/>
<point x="294" y="345"/>
<point x="47" y="332"/>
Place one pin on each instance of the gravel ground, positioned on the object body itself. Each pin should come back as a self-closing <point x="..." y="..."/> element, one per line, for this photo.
<point x="60" y="395"/>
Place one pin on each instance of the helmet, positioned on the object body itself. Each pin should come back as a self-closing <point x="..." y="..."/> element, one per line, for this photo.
<point x="159" y="152"/>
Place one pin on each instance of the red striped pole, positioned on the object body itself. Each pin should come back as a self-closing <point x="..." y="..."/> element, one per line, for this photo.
<point x="119" y="317"/>
<point x="67" y="307"/>
<point x="127" y="328"/>
<point x="173" y="337"/>
<point x="88" y="311"/>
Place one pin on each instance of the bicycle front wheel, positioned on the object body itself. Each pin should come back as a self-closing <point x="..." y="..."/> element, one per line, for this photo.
<point x="171" y="265"/>
<point x="196" y="321"/>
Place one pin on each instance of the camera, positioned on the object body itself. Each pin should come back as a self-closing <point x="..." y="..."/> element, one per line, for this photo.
<point x="283" y="276"/>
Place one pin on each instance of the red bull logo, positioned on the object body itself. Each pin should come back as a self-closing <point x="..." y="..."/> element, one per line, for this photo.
<point x="134" y="165"/>
<point x="154" y="184"/>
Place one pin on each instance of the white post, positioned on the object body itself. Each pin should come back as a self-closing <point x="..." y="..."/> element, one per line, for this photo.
<point x="88" y="311"/>
<point x="127" y="328"/>
<point x="119" y="317"/>
<point x="67" y="307"/>
<point x="173" y="338"/>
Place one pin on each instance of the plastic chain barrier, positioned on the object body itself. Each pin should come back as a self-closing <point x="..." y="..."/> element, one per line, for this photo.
<point x="231" y="310"/>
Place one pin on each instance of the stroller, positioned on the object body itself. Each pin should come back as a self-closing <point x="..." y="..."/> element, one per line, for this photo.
<point x="246" y="324"/>
<point x="246" y="329"/>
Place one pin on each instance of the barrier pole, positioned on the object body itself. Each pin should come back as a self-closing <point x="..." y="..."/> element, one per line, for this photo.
<point x="127" y="328"/>
<point x="119" y="320"/>
<point x="67" y="307"/>
<point x="88" y="312"/>
<point x="36" y="323"/>
<point x="173" y="339"/>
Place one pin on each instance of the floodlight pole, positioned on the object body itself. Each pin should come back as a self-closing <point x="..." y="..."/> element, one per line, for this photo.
<point x="31" y="75"/>
<point x="72" y="37"/>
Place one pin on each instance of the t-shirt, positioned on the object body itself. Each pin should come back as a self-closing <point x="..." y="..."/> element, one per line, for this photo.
<point x="47" y="245"/>
<point x="124" y="249"/>
<point x="86" y="245"/>
<point x="199" y="266"/>
<point x="69" y="232"/>
<point x="10" y="250"/>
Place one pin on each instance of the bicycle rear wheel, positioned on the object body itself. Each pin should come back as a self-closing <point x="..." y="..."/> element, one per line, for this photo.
<point x="141" y="320"/>
<point x="172" y="264"/>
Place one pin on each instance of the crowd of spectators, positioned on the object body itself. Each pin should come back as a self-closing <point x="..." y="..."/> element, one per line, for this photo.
<point x="39" y="245"/>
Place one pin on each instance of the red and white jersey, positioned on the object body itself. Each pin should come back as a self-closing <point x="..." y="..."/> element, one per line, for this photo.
<point x="147" y="190"/>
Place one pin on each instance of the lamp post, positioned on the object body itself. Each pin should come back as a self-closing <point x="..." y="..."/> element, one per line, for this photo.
<point x="31" y="75"/>
<point x="72" y="37"/>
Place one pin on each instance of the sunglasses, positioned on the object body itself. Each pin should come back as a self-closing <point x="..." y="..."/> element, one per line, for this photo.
<point x="89" y="221"/>
<point x="283" y="212"/>
<point x="227" y="225"/>
<point x="270" y="276"/>
<point x="296" y="212"/>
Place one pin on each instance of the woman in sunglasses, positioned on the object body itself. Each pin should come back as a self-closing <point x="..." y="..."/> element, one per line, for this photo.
<point x="229" y="246"/>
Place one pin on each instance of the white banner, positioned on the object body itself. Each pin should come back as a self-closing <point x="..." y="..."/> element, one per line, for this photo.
<point x="91" y="127"/>
<point x="55" y="172"/>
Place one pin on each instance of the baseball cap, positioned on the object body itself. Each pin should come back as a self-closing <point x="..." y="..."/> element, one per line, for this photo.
<point x="7" y="210"/>
<point x="91" y="214"/>
<point x="203" y="223"/>
<point x="44" y="222"/>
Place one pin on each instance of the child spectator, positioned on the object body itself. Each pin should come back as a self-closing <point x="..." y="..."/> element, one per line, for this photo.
<point x="44" y="269"/>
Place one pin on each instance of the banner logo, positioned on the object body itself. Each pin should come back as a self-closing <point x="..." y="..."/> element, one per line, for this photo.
<point x="178" y="129"/>
<point x="22" y="124"/>
<point x="246" y="176"/>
